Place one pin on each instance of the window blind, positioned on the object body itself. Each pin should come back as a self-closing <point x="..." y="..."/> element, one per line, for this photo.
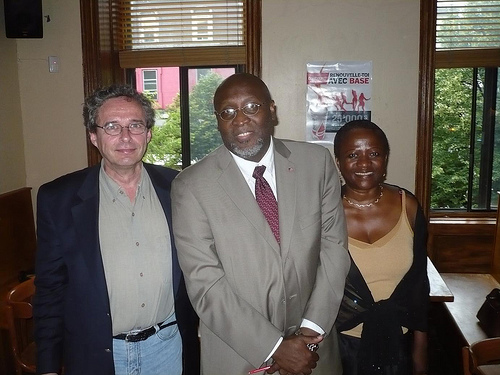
<point x="467" y="24"/>
<point x="151" y="33"/>
<point x="154" y="24"/>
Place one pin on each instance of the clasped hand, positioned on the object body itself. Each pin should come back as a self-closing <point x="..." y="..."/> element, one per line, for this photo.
<point x="294" y="357"/>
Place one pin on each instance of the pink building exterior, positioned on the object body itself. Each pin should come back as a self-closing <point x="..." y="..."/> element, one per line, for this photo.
<point x="165" y="81"/>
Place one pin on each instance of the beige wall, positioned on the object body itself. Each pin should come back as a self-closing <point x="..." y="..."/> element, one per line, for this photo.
<point x="384" y="31"/>
<point x="51" y="103"/>
<point x="47" y="106"/>
<point x="12" y="163"/>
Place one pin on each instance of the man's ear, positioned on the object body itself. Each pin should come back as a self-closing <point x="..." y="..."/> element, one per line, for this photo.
<point x="93" y="138"/>
<point x="272" y="109"/>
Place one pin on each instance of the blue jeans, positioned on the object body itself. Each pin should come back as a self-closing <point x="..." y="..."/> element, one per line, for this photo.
<point x="159" y="354"/>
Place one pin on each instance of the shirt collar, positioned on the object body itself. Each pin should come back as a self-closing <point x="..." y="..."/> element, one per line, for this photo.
<point x="247" y="166"/>
<point x="114" y="188"/>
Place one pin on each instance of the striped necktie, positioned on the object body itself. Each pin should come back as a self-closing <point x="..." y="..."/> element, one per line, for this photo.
<point x="266" y="200"/>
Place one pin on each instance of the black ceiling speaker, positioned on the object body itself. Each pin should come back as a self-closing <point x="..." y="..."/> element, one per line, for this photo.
<point x="23" y="18"/>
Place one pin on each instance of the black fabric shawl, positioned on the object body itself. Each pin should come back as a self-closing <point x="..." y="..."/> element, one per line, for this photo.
<point x="382" y="321"/>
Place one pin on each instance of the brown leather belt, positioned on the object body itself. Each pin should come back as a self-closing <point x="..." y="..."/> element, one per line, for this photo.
<point x="144" y="334"/>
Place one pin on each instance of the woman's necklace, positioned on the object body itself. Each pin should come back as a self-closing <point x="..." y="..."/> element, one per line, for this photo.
<point x="365" y="205"/>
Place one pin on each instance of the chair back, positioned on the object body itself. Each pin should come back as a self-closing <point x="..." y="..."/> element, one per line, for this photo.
<point x="20" y="323"/>
<point x="483" y="352"/>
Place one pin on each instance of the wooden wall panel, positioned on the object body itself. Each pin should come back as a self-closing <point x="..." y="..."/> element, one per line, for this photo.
<point x="462" y="245"/>
<point x="17" y="236"/>
<point x="463" y="253"/>
<point x="17" y="257"/>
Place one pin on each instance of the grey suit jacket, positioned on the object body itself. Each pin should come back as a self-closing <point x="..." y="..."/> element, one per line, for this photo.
<point x="247" y="290"/>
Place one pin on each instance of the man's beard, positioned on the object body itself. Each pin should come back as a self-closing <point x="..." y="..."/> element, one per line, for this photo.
<point x="248" y="153"/>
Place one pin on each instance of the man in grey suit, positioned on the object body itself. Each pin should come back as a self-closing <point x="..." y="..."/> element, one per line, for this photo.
<point x="264" y="298"/>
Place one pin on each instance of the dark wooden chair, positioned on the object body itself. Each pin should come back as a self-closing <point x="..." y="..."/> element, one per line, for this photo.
<point x="483" y="352"/>
<point x="19" y="313"/>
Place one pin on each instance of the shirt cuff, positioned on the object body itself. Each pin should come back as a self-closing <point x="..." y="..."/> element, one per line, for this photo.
<point x="274" y="349"/>
<point x="308" y="324"/>
<point x="305" y="323"/>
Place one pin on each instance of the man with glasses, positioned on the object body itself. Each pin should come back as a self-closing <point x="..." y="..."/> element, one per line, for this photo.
<point x="110" y="296"/>
<point x="261" y="237"/>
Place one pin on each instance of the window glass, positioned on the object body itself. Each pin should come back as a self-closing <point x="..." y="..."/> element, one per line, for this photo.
<point x="466" y="155"/>
<point x="451" y="135"/>
<point x="496" y="150"/>
<point x="150" y="84"/>
<point x="465" y="167"/>
<point x="176" y="144"/>
<point x="202" y="121"/>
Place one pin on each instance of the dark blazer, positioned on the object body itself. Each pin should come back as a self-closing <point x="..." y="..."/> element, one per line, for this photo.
<point x="71" y="305"/>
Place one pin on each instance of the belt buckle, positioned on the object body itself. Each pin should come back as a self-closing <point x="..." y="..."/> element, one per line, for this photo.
<point x="136" y="336"/>
<point x="129" y="337"/>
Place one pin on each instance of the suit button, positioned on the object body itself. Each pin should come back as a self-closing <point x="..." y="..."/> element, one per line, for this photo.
<point x="107" y="350"/>
<point x="283" y="301"/>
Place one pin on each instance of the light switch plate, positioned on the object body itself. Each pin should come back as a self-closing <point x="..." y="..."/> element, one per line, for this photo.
<point x="53" y="64"/>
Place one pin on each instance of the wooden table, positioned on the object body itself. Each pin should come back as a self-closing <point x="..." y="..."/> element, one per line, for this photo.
<point x="489" y="369"/>
<point x="470" y="292"/>
<point x="439" y="290"/>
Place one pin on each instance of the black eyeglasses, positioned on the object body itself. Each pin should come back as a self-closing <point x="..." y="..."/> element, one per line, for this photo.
<point x="116" y="129"/>
<point x="249" y="109"/>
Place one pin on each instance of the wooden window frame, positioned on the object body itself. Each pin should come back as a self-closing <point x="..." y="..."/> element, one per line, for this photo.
<point x="428" y="9"/>
<point x="101" y="65"/>
<point x="429" y="61"/>
<point x="458" y="241"/>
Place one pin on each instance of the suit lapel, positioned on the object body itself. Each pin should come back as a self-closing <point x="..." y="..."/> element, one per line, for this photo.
<point x="287" y="193"/>
<point x="86" y="218"/>
<point x="233" y="183"/>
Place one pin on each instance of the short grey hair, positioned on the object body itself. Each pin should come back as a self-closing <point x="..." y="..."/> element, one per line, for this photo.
<point x="95" y="101"/>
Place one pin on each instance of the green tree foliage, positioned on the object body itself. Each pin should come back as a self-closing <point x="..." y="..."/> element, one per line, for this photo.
<point x="203" y="123"/>
<point x="453" y="110"/>
<point x="452" y="119"/>
<point x="165" y="146"/>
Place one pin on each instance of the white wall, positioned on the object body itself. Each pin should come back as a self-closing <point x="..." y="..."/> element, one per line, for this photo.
<point x="384" y="31"/>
